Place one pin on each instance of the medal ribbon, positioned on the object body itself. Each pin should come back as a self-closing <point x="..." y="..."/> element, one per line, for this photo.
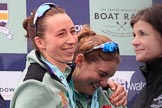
<point x="56" y="71"/>
<point x="95" y="103"/>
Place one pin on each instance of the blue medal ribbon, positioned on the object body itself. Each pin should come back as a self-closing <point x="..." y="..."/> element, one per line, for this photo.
<point x="56" y="71"/>
<point x="95" y="103"/>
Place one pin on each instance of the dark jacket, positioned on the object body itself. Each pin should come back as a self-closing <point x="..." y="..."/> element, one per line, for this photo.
<point x="151" y="94"/>
<point x="2" y="102"/>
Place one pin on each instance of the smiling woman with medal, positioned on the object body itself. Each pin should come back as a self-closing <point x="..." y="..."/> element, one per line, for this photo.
<point x="96" y="59"/>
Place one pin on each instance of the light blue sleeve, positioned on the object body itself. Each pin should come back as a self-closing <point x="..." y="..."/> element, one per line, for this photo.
<point x="33" y="94"/>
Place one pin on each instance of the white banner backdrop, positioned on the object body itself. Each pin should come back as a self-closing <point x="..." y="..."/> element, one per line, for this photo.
<point x="8" y="82"/>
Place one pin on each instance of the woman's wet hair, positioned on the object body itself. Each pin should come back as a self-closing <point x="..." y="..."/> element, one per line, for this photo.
<point x="87" y="39"/>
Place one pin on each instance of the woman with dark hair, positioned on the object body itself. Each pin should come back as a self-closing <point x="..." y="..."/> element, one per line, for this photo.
<point x="147" y="42"/>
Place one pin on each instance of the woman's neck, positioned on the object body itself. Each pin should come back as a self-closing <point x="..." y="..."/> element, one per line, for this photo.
<point x="62" y="66"/>
<point x="75" y="79"/>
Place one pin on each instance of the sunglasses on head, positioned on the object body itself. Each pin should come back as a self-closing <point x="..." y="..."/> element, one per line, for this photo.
<point x="40" y="12"/>
<point x="108" y="47"/>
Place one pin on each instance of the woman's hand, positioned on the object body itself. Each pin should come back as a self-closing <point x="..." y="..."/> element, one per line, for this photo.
<point x="119" y="96"/>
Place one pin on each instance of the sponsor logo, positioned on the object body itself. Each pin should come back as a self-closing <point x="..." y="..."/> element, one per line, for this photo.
<point x="63" y="99"/>
<point x="8" y="82"/>
<point x="157" y="102"/>
<point x="124" y="78"/>
<point x="119" y="21"/>
<point x="3" y="20"/>
<point x="78" y="27"/>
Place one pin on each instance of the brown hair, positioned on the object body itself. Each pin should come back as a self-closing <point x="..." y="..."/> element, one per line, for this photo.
<point x="152" y="15"/>
<point x="87" y="39"/>
<point x="40" y="23"/>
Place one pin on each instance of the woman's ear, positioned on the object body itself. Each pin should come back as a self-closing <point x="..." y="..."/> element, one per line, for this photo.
<point x="39" y="43"/>
<point x="79" y="59"/>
